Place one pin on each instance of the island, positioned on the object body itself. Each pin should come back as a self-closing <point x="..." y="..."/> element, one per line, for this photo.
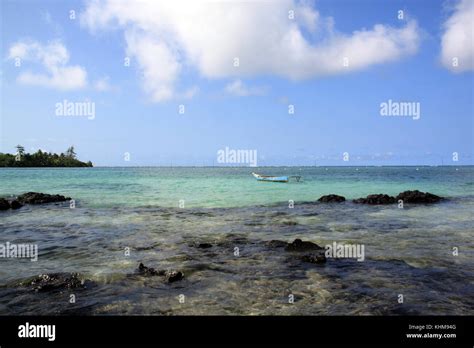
<point x="41" y="159"/>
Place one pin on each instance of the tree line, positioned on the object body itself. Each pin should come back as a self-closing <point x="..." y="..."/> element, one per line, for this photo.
<point x="41" y="159"/>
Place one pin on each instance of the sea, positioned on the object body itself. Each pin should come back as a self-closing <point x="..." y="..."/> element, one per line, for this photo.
<point x="215" y="224"/>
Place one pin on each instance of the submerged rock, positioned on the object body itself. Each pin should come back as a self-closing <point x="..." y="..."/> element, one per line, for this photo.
<point x="317" y="254"/>
<point x="296" y="245"/>
<point x="418" y="197"/>
<point x="331" y="199"/>
<point x="376" y="199"/>
<point x="56" y="281"/>
<point x="314" y="258"/>
<point x="149" y="271"/>
<point x="277" y="244"/>
<point x="4" y="204"/>
<point x="40" y="198"/>
<point x="170" y="275"/>
<point x="289" y="223"/>
<point x="204" y="246"/>
<point x="299" y="245"/>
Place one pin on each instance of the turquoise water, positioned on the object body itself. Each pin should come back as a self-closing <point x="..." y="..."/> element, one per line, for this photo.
<point x="408" y="251"/>
<point x="230" y="187"/>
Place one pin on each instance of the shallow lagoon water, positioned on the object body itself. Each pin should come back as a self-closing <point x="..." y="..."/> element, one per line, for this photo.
<point x="407" y="251"/>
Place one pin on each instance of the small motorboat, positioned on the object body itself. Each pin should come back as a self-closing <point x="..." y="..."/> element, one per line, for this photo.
<point x="270" y="178"/>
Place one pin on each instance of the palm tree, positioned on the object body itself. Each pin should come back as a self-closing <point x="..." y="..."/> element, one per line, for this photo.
<point x="20" y="150"/>
<point x="70" y="153"/>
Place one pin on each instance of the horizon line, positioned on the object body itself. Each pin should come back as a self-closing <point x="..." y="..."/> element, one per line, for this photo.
<point x="270" y="166"/>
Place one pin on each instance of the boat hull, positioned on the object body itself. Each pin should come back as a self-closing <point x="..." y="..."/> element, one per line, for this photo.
<point x="270" y="178"/>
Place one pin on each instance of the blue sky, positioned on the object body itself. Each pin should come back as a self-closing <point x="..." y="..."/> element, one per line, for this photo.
<point x="179" y="57"/>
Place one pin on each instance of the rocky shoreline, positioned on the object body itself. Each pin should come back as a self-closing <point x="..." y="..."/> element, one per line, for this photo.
<point x="297" y="253"/>
<point x="411" y="197"/>
<point x="33" y="198"/>
<point x="230" y="261"/>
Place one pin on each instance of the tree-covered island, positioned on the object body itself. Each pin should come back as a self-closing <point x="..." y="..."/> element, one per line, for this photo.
<point x="41" y="159"/>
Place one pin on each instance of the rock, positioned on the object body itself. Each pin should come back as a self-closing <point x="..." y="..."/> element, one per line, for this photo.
<point x="299" y="245"/>
<point x="289" y="223"/>
<point x="15" y="204"/>
<point x="296" y="245"/>
<point x="40" y="198"/>
<point x="4" y="204"/>
<point x="277" y="244"/>
<point x="418" y="197"/>
<point x="204" y="245"/>
<point x="56" y="281"/>
<point x="149" y="271"/>
<point x="376" y="199"/>
<point x="331" y="199"/>
<point x="314" y="258"/>
<point x="172" y="276"/>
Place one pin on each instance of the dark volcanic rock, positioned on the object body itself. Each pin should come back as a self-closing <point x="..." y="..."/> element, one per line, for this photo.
<point x="277" y="244"/>
<point x="296" y="245"/>
<point x="418" y="197"/>
<point x="299" y="245"/>
<point x="376" y="199"/>
<point x="40" y="198"/>
<point x="4" y="204"/>
<point x="149" y="271"/>
<point x="56" y="281"/>
<point x="204" y="245"/>
<point x="170" y="275"/>
<point x="331" y="199"/>
<point x="314" y="258"/>
<point x="15" y="204"/>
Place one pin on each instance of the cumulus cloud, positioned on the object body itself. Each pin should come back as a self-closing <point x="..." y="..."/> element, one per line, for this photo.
<point x="238" y="88"/>
<point x="53" y="57"/>
<point x="166" y="37"/>
<point x="160" y="65"/>
<point x="457" y="42"/>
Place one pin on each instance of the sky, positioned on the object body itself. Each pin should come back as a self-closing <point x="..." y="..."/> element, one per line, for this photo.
<point x="295" y="82"/>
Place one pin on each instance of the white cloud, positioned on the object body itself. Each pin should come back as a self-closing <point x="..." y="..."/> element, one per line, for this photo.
<point x="54" y="57"/>
<point x="166" y="37"/>
<point x="238" y="88"/>
<point x="457" y="41"/>
<point x="160" y="65"/>
<point x="102" y="85"/>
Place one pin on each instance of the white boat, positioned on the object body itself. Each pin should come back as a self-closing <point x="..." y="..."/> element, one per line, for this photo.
<point x="270" y="178"/>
